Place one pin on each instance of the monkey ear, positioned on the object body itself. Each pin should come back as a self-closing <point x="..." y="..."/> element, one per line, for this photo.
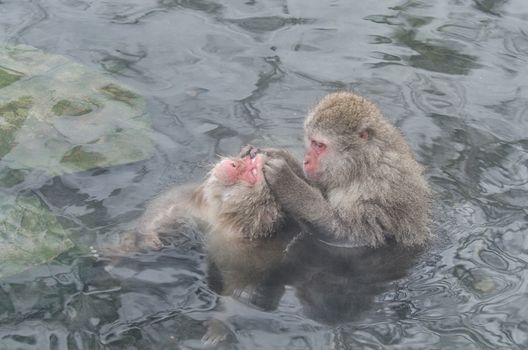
<point x="365" y="134"/>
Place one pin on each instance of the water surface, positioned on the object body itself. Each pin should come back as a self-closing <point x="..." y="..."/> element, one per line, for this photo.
<point x="219" y="74"/>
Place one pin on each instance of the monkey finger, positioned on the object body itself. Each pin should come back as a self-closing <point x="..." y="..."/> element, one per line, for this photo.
<point x="279" y="165"/>
<point x="268" y="170"/>
<point x="246" y="150"/>
<point x="271" y="168"/>
<point x="275" y="175"/>
<point x="270" y="173"/>
<point x="272" y="152"/>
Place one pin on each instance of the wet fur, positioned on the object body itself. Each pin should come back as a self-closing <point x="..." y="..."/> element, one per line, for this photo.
<point x="238" y="210"/>
<point x="369" y="191"/>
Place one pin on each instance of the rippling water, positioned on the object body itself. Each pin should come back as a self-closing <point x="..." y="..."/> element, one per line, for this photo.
<point x="219" y="74"/>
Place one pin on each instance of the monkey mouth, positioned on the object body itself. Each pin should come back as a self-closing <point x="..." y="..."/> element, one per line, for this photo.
<point x="253" y="169"/>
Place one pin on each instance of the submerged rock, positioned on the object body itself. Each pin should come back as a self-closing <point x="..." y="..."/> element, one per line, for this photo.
<point x="57" y="116"/>
<point x="29" y="234"/>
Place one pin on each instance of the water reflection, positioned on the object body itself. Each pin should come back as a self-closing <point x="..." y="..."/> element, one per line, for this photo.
<point x="333" y="284"/>
<point x="491" y="7"/>
<point x="432" y="54"/>
<point x="337" y="285"/>
<point x="219" y="74"/>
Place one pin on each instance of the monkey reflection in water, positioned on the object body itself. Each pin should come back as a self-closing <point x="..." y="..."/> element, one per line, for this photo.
<point x="254" y="250"/>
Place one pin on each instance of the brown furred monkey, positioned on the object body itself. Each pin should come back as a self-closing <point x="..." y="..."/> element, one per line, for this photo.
<point x="368" y="188"/>
<point x="234" y="200"/>
<point x="245" y="232"/>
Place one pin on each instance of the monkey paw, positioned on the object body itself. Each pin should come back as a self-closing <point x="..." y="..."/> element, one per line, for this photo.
<point x="277" y="173"/>
<point x="287" y="187"/>
<point x="217" y="332"/>
<point x="248" y="150"/>
<point x="149" y="242"/>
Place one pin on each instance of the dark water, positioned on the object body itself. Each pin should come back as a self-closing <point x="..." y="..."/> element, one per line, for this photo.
<point x="219" y="74"/>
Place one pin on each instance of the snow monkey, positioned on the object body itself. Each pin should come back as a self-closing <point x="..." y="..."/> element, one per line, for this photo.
<point x="246" y="232"/>
<point x="234" y="201"/>
<point x="365" y="187"/>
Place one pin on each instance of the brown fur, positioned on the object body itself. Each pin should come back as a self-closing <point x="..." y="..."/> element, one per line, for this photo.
<point x="246" y="211"/>
<point x="245" y="234"/>
<point x="369" y="190"/>
<point x="239" y="210"/>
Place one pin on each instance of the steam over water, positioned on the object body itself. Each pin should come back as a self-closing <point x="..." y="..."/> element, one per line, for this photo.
<point x="216" y="75"/>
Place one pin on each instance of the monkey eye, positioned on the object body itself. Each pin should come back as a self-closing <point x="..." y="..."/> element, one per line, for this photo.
<point x="319" y="146"/>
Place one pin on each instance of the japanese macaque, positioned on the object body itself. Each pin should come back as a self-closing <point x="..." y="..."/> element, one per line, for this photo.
<point x="234" y="201"/>
<point x="367" y="188"/>
<point x="233" y="215"/>
<point x="246" y="232"/>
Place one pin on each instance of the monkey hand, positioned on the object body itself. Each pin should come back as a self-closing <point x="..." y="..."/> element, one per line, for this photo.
<point x="252" y="151"/>
<point x="248" y="150"/>
<point x="217" y="332"/>
<point x="295" y="165"/>
<point x="283" y="182"/>
<point x="148" y="241"/>
<point x="296" y="196"/>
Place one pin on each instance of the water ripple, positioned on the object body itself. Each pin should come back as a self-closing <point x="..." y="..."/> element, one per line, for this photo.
<point x="217" y="75"/>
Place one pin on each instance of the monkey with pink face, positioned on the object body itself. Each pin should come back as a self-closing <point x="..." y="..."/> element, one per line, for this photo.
<point x="245" y="232"/>
<point x="365" y="187"/>
<point x="234" y="201"/>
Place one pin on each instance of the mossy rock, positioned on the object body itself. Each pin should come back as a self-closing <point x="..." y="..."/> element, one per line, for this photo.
<point x="53" y="111"/>
<point x="12" y="116"/>
<point x="8" y="77"/>
<point x="72" y="107"/>
<point x="29" y="234"/>
<point x="56" y="117"/>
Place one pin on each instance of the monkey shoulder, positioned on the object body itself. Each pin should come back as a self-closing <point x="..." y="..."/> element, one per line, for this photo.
<point x="171" y="196"/>
<point x="167" y="209"/>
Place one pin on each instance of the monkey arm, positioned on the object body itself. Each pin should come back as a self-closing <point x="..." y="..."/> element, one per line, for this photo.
<point x="296" y="196"/>
<point x="162" y="214"/>
<point x="364" y="224"/>
<point x="307" y="204"/>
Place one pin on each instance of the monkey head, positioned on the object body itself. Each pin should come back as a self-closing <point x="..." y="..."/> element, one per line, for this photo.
<point x="345" y="136"/>
<point x="240" y="198"/>
<point x="246" y="170"/>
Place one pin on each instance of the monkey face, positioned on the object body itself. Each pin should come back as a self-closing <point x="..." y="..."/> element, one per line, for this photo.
<point x="316" y="148"/>
<point x="248" y="170"/>
<point x="239" y="199"/>
<point x="331" y="160"/>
